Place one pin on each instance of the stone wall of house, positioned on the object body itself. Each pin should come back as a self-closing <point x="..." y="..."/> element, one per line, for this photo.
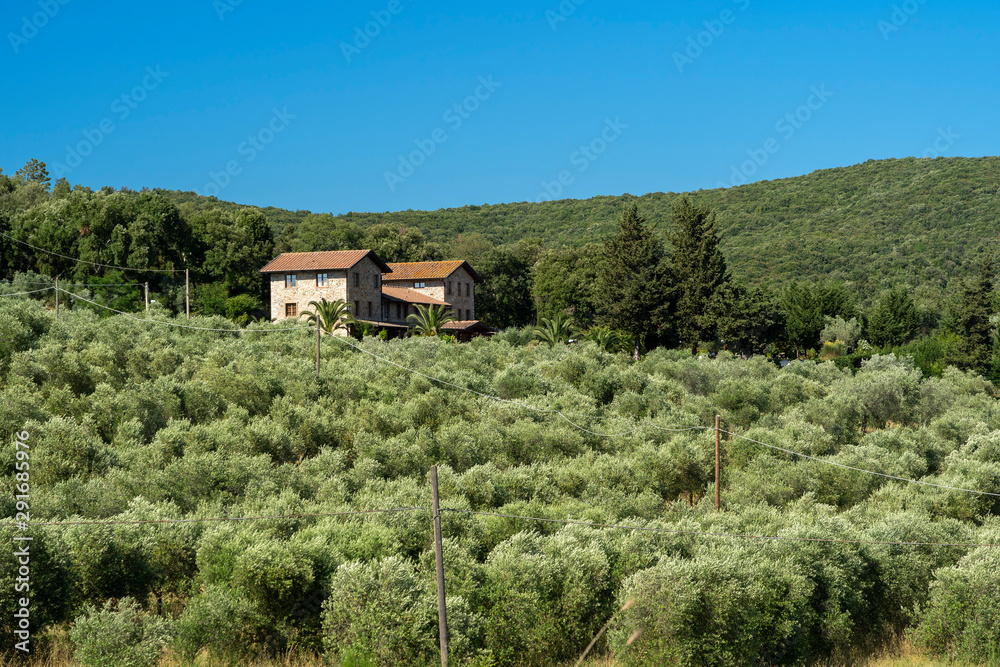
<point x="458" y="289"/>
<point x="463" y="294"/>
<point x="304" y="291"/>
<point x="367" y="291"/>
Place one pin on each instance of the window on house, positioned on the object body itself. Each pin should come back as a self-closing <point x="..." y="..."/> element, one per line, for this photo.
<point x="399" y="311"/>
<point x="357" y="280"/>
<point x="375" y="281"/>
<point x="289" y="280"/>
<point x="369" y="309"/>
<point x="449" y="288"/>
<point x="357" y="307"/>
<point x="419" y="285"/>
<point x="291" y="310"/>
<point x="321" y="279"/>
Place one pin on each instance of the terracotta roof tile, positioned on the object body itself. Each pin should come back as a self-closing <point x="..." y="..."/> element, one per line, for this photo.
<point x="429" y="270"/>
<point x="411" y="296"/>
<point x="317" y="261"/>
<point x="465" y="325"/>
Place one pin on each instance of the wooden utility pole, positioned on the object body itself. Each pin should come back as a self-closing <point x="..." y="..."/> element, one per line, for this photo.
<point x="57" y="297"/>
<point x="439" y="558"/>
<point x="717" y="418"/>
<point x="317" y="345"/>
<point x="147" y="297"/>
<point x="187" y="292"/>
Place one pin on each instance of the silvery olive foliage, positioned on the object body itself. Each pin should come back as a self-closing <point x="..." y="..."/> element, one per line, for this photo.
<point x="136" y="421"/>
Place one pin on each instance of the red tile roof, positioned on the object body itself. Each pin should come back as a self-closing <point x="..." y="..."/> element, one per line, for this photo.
<point x="466" y="325"/>
<point x="429" y="270"/>
<point x="318" y="261"/>
<point x="411" y="296"/>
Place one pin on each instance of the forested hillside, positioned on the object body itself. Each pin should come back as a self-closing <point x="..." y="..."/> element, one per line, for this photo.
<point x="877" y="224"/>
<point x="157" y="432"/>
<point x="876" y="256"/>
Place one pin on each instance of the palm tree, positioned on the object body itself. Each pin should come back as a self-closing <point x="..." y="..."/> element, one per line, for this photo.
<point x="428" y="320"/>
<point x="555" y="330"/>
<point x="331" y="315"/>
<point x="606" y="338"/>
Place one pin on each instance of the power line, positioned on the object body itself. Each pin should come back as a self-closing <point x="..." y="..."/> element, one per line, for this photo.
<point x="651" y="425"/>
<point x="83" y="261"/>
<point x="343" y="340"/>
<point x="216" y="519"/>
<point x="678" y="531"/>
<point x="870" y="472"/>
<point x="182" y="326"/>
<point x="52" y="284"/>
<point x="24" y="293"/>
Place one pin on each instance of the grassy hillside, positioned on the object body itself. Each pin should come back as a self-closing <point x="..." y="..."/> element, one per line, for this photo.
<point x="913" y="221"/>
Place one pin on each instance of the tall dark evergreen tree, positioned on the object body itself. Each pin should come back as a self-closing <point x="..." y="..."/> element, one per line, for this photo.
<point x="895" y="320"/>
<point x="637" y="283"/>
<point x="969" y="318"/>
<point x="699" y="270"/>
<point x="748" y="319"/>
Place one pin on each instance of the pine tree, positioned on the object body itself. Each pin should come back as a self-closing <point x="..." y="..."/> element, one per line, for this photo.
<point x="699" y="269"/>
<point x="636" y="284"/>
<point x="33" y="172"/>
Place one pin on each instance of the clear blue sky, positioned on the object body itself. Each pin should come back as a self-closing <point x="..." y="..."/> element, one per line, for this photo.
<point x="308" y="115"/>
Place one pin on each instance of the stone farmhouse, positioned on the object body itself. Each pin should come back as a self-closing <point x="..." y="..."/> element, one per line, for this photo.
<point x="381" y="294"/>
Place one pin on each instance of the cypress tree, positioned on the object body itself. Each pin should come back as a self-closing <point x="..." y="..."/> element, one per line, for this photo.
<point x="969" y="318"/>
<point x="699" y="270"/>
<point x="636" y="284"/>
<point x="895" y="320"/>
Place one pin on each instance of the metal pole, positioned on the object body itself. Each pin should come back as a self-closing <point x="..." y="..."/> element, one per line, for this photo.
<point x="187" y="292"/>
<point x="57" y="297"/>
<point x="717" y="463"/>
<point x="147" y="297"/>
<point x="439" y="558"/>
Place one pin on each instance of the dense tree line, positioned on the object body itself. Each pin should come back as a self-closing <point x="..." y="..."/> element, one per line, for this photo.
<point x="641" y="285"/>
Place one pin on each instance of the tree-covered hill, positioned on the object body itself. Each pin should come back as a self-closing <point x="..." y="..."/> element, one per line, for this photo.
<point x="916" y="222"/>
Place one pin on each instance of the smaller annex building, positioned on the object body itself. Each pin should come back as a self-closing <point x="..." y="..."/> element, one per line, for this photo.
<point x="382" y="294"/>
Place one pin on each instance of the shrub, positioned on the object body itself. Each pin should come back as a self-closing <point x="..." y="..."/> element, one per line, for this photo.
<point x="120" y="634"/>
<point x="379" y="610"/>
<point x="962" y="621"/>
<point x="219" y="619"/>
<point x="733" y="608"/>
